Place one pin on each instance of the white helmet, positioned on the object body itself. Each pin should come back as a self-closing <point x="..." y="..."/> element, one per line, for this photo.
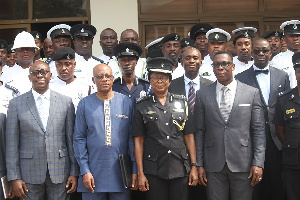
<point x="24" y="39"/>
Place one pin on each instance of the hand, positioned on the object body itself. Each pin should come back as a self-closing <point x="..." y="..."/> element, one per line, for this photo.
<point x="19" y="187"/>
<point x="202" y="176"/>
<point x="72" y="180"/>
<point x="11" y="193"/>
<point x="134" y="185"/>
<point x="143" y="183"/>
<point x="256" y="173"/>
<point x="88" y="181"/>
<point x="193" y="177"/>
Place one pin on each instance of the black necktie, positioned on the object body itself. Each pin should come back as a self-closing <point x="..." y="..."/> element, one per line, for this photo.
<point x="265" y="71"/>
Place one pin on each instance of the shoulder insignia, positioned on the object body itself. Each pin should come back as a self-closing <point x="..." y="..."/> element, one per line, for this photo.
<point x="15" y="90"/>
<point x="284" y="93"/>
<point x="98" y="59"/>
<point x="143" y="98"/>
<point x="48" y="61"/>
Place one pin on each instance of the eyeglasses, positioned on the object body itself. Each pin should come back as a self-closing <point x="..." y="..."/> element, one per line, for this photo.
<point x="105" y="76"/>
<point x="162" y="79"/>
<point x="264" y="51"/>
<point x="224" y="65"/>
<point x="41" y="72"/>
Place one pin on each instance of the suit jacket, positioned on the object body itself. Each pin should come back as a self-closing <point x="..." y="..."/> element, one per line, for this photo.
<point x="279" y="83"/>
<point x="240" y="142"/>
<point x="31" y="150"/>
<point x="178" y="86"/>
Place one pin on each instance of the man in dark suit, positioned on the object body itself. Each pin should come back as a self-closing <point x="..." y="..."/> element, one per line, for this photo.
<point x="191" y="81"/>
<point x="270" y="82"/>
<point x="230" y="138"/>
<point x="39" y="141"/>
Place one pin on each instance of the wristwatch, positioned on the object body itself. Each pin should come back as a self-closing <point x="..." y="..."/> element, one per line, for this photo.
<point x="194" y="164"/>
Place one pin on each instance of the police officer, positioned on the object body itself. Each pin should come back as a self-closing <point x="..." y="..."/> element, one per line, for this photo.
<point x="287" y="121"/>
<point x="164" y="140"/>
<point x="39" y="43"/>
<point x="273" y="38"/>
<point x="128" y="54"/>
<point x="242" y="41"/>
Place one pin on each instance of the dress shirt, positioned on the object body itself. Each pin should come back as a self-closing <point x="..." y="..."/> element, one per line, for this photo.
<point x="46" y="102"/>
<point x="196" y="84"/>
<point x="264" y="83"/>
<point x="241" y="66"/>
<point x="106" y="58"/>
<point x="231" y="92"/>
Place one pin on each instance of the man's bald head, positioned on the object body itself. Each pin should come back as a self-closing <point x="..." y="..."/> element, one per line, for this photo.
<point x="37" y="63"/>
<point x="102" y="67"/>
<point x="103" y="78"/>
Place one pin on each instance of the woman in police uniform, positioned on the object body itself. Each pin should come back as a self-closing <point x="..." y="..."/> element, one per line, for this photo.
<point x="164" y="141"/>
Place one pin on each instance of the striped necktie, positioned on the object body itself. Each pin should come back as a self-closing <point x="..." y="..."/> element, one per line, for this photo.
<point x="191" y="96"/>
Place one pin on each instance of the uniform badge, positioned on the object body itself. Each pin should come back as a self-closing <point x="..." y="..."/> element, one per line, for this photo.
<point x="142" y="93"/>
<point x="176" y="37"/>
<point x="178" y="107"/>
<point x="246" y="34"/>
<point x="150" y="112"/>
<point x="276" y="34"/>
<point x="217" y="36"/>
<point x="68" y="57"/>
<point x="63" y="31"/>
<point x="201" y="29"/>
<point x="292" y="96"/>
<point x="295" y="26"/>
<point x="37" y="36"/>
<point x="290" y="111"/>
<point x="82" y="30"/>
<point x="2" y="46"/>
<point x="162" y="65"/>
<point x="186" y="42"/>
<point x="127" y="50"/>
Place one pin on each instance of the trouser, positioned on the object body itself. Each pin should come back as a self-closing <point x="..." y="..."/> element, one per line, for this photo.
<point x="271" y="186"/>
<point x="228" y="185"/>
<point x="291" y="182"/>
<point x="106" y="195"/>
<point x="162" y="189"/>
<point x="197" y="192"/>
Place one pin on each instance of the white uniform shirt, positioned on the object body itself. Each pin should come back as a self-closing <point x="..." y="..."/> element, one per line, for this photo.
<point x="178" y="72"/>
<point x="5" y="96"/>
<point x="264" y="81"/>
<point x="206" y="70"/>
<point x="76" y="89"/>
<point x="106" y="58"/>
<point x="284" y="62"/>
<point x="241" y="66"/>
<point x="7" y="73"/>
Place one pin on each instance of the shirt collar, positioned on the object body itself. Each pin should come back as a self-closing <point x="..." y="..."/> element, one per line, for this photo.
<point x="195" y="80"/>
<point x="256" y="68"/>
<point x="36" y="95"/>
<point x="231" y="86"/>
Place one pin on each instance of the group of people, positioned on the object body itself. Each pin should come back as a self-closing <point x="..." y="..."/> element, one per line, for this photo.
<point x="197" y="121"/>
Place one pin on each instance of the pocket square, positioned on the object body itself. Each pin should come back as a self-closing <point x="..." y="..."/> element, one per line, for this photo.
<point x="244" y="104"/>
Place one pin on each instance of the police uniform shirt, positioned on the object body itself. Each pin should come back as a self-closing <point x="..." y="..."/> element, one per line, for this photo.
<point x="140" y="68"/>
<point x="206" y="70"/>
<point x="7" y="73"/>
<point x="76" y="89"/>
<point x="178" y="72"/>
<point x="52" y="67"/>
<point x="84" y="68"/>
<point x="5" y="97"/>
<point x="241" y="66"/>
<point x="165" y="153"/>
<point x="287" y="114"/>
<point x="196" y="84"/>
<point x="284" y="62"/>
<point x="139" y="88"/>
<point x="106" y="58"/>
<point x="264" y="81"/>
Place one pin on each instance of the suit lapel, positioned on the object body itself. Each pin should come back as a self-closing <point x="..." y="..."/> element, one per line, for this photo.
<point x="239" y="92"/>
<point x="214" y="99"/>
<point x="33" y="109"/>
<point x="53" y="107"/>
<point x="273" y="89"/>
<point x="181" y="87"/>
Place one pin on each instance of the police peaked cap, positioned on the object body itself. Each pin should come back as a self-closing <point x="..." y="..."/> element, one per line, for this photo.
<point x="160" y="64"/>
<point x="291" y="27"/>
<point x="3" y="44"/>
<point x="65" y="53"/>
<point x="269" y="34"/>
<point x="36" y="35"/>
<point x="127" y="49"/>
<point x="185" y="42"/>
<point x="199" y="28"/>
<point x="171" y="37"/>
<point x="85" y="30"/>
<point x="217" y="35"/>
<point x="245" y="32"/>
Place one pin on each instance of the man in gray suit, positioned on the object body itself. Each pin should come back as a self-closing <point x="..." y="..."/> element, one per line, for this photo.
<point x="39" y="136"/>
<point x="230" y="137"/>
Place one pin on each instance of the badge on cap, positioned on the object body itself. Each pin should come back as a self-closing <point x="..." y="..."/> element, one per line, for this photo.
<point x="127" y="50"/>
<point x="63" y="31"/>
<point x="246" y="34"/>
<point x="186" y="42"/>
<point x="162" y="65"/>
<point x="82" y="30"/>
<point x="201" y="29"/>
<point x="295" y="26"/>
<point x="37" y="36"/>
<point x="2" y="46"/>
<point x="142" y="93"/>
<point x="176" y="37"/>
<point x="217" y="36"/>
<point x="68" y="57"/>
<point x="276" y="34"/>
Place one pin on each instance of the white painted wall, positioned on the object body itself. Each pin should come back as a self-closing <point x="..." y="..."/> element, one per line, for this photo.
<point x="116" y="14"/>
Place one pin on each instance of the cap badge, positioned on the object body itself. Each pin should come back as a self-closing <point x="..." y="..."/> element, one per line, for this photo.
<point x="176" y="37"/>
<point x="37" y="36"/>
<point x="162" y="65"/>
<point x="2" y="46"/>
<point x="295" y="26"/>
<point x="202" y="29"/>
<point x="186" y="42"/>
<point x="82" y="30"/>
<point x="246" y="34"/>
<point x="68" y="57"/>
<point x="63" y="31"/>
<point x="127" y="50"/>
<point x="217" y="36"/>
<point x="276" y="34"/>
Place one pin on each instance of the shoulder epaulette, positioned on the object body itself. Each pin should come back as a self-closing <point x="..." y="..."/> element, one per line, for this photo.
<point x="98" y="59"/>
<point x="284" y="92"/>
<point x="15" y="90"/>
<point x="177" y="96"/>
<point x="143" y="98"/>
<point x="48" y="61"/>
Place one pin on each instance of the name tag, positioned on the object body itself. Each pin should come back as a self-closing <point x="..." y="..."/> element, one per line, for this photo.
<point x="244" y="104"/>
<point x="122" y="116"/>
